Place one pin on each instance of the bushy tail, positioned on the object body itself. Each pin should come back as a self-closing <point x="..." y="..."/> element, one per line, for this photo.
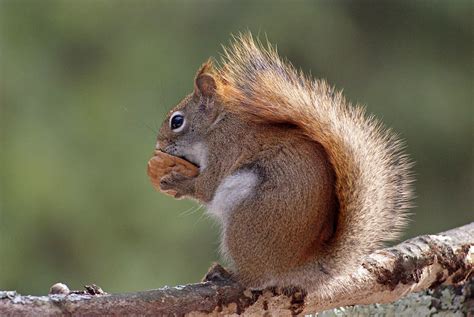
<point x="373" y="174"/>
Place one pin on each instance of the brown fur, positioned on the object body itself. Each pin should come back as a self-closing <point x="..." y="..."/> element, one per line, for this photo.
<point x="332" y="183"/>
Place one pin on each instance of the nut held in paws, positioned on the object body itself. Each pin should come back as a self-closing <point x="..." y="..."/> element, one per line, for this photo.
<point x="162" y="164"/>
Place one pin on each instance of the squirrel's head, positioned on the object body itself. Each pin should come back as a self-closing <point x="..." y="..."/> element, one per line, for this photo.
<point x="186" y="127"/>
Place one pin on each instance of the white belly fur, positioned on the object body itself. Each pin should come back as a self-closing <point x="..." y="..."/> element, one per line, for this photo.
<point x="231" y="192"/>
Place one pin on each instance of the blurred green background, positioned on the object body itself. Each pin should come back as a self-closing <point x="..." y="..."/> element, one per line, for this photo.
<point x="85" y="84"/>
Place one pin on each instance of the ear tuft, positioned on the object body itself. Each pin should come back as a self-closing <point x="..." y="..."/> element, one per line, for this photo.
<point x="204" y="84"/>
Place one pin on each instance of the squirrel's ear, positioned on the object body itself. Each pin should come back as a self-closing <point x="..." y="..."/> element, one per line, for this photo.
<point x="204" y="84"/>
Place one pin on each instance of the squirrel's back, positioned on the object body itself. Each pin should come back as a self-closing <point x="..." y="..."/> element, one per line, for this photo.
<point x="373" y="181"/>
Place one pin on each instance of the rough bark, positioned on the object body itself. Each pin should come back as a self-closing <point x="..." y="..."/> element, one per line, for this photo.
<point x="424" y="265"/>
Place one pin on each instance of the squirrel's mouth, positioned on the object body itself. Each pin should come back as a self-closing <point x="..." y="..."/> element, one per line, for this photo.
<point x="183" y="157"/>
<point x="188" y="159"/>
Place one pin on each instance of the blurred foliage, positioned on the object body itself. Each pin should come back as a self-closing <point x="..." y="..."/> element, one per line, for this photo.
<point x="85" y="84"/>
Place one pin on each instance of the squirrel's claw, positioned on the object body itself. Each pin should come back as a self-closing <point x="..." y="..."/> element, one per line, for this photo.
<point x="175" y="183"/>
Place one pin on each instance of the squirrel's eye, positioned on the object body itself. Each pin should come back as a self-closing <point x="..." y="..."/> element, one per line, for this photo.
<point x="177" y="121"/>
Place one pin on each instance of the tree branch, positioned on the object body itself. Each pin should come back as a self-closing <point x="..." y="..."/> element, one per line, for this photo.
<point x="422" y="263"/>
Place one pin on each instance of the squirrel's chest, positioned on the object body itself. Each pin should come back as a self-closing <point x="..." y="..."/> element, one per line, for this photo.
<point x="231" y="192"/>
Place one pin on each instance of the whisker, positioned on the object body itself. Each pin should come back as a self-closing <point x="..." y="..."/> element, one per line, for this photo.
<point x="201" y="216"/>
<point x="186" y="212"/>
<point x="160" y="104"/>
<point x="191" y="210"/>
<point x="140" y="122"/>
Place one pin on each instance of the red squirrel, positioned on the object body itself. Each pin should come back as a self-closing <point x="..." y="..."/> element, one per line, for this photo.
<point x="303" y="183"/>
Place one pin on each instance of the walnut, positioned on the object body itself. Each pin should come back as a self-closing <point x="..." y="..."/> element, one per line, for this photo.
<point x="161" y="164"/>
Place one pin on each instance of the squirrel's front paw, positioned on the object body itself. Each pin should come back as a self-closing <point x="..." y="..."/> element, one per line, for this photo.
<point x="175" y="184"/>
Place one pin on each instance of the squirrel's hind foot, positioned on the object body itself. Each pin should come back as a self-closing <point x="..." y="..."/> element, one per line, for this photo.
<point x="217" y="273"/>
